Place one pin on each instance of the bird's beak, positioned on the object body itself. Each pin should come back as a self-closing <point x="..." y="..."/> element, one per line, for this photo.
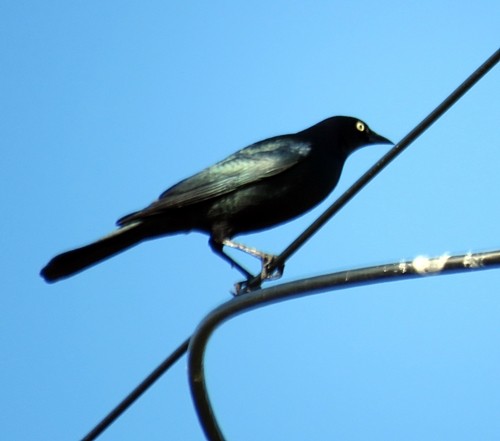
<point x="375" y="138"/>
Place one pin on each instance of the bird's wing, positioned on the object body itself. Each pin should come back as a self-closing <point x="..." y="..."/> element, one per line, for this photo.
<point x="251" y="164"/>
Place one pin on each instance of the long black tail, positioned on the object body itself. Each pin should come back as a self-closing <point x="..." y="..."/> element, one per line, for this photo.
<point x="74" y="261"/>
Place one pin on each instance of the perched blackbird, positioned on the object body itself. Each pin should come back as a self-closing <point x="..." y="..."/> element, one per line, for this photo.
<point x="260" y="186"/>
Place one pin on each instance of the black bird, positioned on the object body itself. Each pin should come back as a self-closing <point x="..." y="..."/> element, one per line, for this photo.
<point x="260" y="186"/>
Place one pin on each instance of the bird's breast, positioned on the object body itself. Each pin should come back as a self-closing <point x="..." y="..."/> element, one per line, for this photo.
<point x="277" y="199"/>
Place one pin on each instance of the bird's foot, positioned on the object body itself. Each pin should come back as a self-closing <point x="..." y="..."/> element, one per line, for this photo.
<point x="243" y="287"/>
<point x="268" y="272"/>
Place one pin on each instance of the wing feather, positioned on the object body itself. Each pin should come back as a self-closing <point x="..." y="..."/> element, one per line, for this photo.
<point x="251" y="164"/>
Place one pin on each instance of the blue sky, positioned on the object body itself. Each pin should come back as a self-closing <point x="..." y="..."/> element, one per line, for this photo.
<point x="106" y="104"/>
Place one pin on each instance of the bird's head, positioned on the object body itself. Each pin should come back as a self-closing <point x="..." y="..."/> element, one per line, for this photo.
<point x="345" y="131"/>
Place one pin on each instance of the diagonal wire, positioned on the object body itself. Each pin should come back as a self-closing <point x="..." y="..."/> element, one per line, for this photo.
<point x="335" y="281"/>
<point x="255" y="282"/>
<point x="137" y="392"/>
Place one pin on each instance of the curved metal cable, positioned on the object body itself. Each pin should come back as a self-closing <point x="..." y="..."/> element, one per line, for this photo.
<point x="419" y="267"/>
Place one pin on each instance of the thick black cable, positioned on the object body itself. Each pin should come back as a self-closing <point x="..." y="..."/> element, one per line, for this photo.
<point x="255" y="282"/>
<point x="419" y="267"/>
<point x="137" y="392"/>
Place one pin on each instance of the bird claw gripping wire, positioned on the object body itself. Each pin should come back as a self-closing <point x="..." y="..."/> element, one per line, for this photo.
<point x="268" y="272"/>
<point x="243" y="287"/>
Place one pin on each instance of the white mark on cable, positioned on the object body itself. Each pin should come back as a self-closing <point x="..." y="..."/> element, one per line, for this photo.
<point x="471" y="261"/>
<point x="403" y="267"/>
<point x="425" y="265"/>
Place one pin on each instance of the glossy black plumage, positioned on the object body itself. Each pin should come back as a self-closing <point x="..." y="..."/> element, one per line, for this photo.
<point x="262" y="185"/>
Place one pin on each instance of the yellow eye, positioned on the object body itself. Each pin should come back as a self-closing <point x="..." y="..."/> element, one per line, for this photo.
<point x="360" y="126"/>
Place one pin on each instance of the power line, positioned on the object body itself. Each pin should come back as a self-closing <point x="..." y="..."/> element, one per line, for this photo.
<point x="379" y="165"/>
<point x="137" y="392"/>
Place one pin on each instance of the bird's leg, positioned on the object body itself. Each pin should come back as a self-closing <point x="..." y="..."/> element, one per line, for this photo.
<point x="217" y="248"/>
<point x="265" y="258"/>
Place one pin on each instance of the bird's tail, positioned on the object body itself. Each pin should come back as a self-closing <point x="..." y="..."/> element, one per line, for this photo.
<point x="74" y="261"/>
